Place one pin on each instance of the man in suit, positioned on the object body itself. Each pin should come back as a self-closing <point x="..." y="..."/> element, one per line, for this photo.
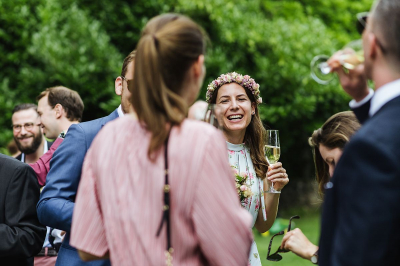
<point x="58" y="108"/>
<point x="57" y="200"/>
<point x="21" y="234"/>
<point x="361" y="213"/>
<point x="27" y="133"/>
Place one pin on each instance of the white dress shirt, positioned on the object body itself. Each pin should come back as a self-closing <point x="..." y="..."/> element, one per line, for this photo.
<point x="120" y="112"/>
<point x="380" y="97"/>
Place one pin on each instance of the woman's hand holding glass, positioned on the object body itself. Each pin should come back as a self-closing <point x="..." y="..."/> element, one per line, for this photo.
<point x="277" y="176"/>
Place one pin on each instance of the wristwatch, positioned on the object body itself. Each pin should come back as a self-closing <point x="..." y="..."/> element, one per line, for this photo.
<point x="314" y="258"/>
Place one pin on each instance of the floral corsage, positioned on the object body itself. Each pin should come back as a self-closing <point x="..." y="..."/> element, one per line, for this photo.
<point x="243" y="189"/>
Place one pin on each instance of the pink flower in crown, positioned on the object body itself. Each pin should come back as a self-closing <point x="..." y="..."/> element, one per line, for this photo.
<point x="243" y="188"/>
<point x="259" y="100"/>
<point x="244" y="174"/>
<point x="245" y="81"/>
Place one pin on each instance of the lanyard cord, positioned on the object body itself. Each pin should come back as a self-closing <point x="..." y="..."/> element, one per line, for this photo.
<point x="166" y="214"/>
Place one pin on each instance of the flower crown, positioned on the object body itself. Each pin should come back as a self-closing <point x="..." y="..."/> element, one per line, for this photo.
<point x="245" y="81"/>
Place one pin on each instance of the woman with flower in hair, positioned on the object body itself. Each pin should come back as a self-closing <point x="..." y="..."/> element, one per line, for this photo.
<point x="237" y="98"/>
<point x="156" y="187"/>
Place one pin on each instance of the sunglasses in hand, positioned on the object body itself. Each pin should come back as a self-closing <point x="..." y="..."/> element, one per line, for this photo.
<point x="275" y="256"/>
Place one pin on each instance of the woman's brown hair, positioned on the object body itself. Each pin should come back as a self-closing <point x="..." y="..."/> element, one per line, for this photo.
<point x="334" y="133"/>
<point x="254" y="137"/>
<point x="169" y="45"/>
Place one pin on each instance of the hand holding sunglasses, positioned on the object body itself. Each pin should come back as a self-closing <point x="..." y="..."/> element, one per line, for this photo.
<point x="275" y="256"/>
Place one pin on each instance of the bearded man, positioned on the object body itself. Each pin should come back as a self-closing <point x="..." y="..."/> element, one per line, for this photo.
<point x="27" y="133"/>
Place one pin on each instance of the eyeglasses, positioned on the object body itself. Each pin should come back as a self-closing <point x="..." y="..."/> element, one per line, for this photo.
<point x="27" y="126"/>
<point x="276" y="256"/>
<point x="362" y="21"/>
<point x="128" y="81"/>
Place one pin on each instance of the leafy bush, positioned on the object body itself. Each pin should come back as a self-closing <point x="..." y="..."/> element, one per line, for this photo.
<point x="81" y="44"/>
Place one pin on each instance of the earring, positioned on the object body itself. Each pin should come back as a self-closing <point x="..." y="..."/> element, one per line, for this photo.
<point x="253" y="113"/>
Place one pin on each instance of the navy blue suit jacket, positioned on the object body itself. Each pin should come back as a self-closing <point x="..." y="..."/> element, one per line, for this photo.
<point x="361" y="213"/>
<point x="57" y="199"/>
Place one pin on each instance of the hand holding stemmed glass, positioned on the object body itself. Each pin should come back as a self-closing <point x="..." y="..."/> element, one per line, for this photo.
<point x="347" y="63"/>
<point x="349" y="58"/>
<point x="209" y="113"/>
<point x="213" y="115"/>
<point x="276" y="173"/>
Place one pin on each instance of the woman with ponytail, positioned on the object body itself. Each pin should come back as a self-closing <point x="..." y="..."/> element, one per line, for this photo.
<point x="157" y="188"/>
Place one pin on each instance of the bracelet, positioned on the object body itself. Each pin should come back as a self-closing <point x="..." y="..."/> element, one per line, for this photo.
<point x="269" y="191"/>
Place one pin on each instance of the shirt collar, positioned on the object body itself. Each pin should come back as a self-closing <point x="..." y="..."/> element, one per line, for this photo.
<point x="120" y="112"/>
<point x="383" y="95"/>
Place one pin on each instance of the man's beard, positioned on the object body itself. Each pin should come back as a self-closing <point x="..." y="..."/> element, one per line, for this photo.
<point x="37" y="140"/>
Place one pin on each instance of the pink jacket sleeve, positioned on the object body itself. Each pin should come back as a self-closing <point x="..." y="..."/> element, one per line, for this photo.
<point x="221" y="224"/>
<point x="42" y="166"/>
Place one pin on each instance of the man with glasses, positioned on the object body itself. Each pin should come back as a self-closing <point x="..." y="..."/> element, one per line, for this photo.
<point x="27" y="133"/>
<point x="31" y="142"/>
<point x="57" y="199"/>
<point x="361" y="214"/>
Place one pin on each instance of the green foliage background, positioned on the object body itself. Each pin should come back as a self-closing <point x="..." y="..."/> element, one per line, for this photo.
<point x="81" y="44"/>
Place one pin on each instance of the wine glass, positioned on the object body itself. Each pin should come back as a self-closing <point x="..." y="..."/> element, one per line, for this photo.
<point x="213" y="115"/>
<point x="353" y="56"/>
<point x="272" y="150"/>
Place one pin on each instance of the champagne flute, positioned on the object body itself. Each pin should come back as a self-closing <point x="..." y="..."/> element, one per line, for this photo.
<point x="212" y="115"/>
<point x="321" y="71"/>
<point x="272" y="150"/>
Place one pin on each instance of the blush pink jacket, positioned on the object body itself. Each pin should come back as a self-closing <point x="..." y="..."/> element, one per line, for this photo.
<point x="120" y="198"/>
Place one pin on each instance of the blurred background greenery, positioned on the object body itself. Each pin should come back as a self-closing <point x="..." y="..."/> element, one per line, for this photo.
<point x="81" y="44"/>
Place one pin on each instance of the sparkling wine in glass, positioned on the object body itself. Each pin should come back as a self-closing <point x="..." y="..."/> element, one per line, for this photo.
<point x="353" y="56"/>
<point x="272" y="150"/>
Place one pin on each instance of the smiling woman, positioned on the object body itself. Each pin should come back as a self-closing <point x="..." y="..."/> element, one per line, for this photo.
<point x="238" y="97"/>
